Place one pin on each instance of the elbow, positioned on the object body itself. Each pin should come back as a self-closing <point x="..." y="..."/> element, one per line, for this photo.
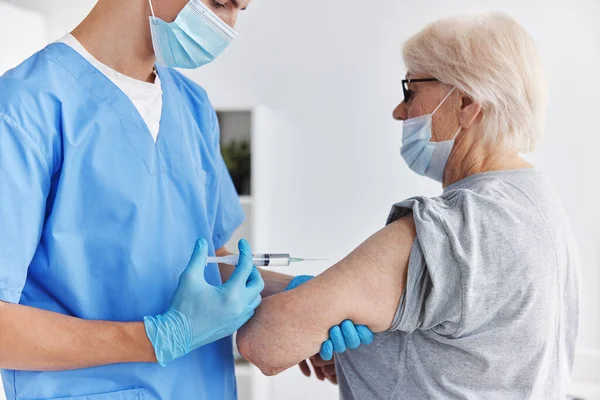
<point x="245" y="346"/>
<point x="257" y="352"/>
<point x="271" y="371"/>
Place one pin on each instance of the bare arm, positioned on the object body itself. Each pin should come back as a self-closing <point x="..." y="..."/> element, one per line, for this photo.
<point x="274" y="281"/>
<point x="38" y="340"/>
<point x="365" y="287"/>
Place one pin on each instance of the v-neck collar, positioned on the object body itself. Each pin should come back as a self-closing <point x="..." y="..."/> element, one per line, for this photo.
<point x="160" y="156"/>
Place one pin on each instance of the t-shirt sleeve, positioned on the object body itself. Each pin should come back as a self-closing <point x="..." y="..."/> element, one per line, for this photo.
<point x="25" y="176"/>
<point x="432" y="298"/>
<point x="229" y="213"/>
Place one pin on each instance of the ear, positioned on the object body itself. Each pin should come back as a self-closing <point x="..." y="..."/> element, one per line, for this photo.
<point x="469" y="111"/>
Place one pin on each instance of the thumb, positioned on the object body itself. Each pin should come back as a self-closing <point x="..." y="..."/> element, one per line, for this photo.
<point x="245" y="265"/>
<point x="197" y="264"/>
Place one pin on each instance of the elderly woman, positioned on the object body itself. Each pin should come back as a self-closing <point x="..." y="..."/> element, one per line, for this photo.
<point x="474" y="294"/>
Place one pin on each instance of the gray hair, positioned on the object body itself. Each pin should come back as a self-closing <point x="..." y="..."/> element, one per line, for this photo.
<point x="492" y="59"/>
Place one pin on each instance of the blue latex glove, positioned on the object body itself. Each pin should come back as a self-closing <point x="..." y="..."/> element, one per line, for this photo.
<point x="346" y="335"/>
<point x="342" y="337"/>
<point x="201" y="313"/>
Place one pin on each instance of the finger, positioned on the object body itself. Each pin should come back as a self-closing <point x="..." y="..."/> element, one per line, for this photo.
<point x="350" y="334"/>
<point x="365" y="334"/>
<point x="319" y="372"/>
<point x="319" y="362"/>
<point x="333" y="379"/>
<point x="255" y="282"/>
<point x="244" y="268"/>
<point x="255" y="303"/>
<point x="242" y="321"/>
<point x="197" y="263"/>
<point x="328" y="370"/>
<point x="331" y="374"/>
<point x="297" y="281"/>
<point x="327" y="350"/>
<point x="335" y="334"/>
<point x="304" y="368"/>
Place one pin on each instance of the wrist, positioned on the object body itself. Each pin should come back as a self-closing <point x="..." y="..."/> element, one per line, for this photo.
<point x="137" y="343"/>
<point x="170" y="335"/>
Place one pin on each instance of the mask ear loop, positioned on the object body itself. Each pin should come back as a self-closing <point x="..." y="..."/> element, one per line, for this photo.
<point x="154" y="71"/>
<point x="438" y="107"/>
<point x="151" y="9"/>
<point x="457" y="133"/>
<point x="443" y="101"/>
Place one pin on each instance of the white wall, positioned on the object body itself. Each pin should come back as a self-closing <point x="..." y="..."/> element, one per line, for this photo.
<point x="17" y="44"/>
<point x="61" y="15"/>
<point x="330" y="72"/>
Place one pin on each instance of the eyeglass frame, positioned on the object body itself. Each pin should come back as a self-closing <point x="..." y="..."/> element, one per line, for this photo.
<point x="405" y="83"/>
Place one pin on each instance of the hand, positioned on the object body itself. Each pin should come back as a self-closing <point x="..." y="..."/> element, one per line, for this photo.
<point x="323" y="369"/>
<point x="345" y="336"/>
<point x="201" y="313"/>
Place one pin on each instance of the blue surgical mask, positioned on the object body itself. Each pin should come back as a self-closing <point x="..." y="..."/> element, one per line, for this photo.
<point x="195" y="38"/>
<point x="423" y="156"/>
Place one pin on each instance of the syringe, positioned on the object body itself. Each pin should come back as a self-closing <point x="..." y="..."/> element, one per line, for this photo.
<point x="261" y="260"/>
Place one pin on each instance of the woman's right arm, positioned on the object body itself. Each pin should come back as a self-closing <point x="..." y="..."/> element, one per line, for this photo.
<point x="365" y="287"/>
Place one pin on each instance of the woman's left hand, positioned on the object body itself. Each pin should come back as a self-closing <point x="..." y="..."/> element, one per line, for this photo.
<point x="323" y="369"/>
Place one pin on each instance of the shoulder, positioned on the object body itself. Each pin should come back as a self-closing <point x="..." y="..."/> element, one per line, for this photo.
<point x="188" y="87"/>
<point x="488" y="206"/>
<point x="196" y="100"/>
<point x="20" y="83"/>
<point x="30" y="102"/>
<point x="32" y="87"/>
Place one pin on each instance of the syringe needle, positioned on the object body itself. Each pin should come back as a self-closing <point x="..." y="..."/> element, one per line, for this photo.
<point x="307" y="259"/>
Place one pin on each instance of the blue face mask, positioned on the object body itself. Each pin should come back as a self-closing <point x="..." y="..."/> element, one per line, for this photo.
<point x="195" y="38"/>
<point x="423" y="156"/>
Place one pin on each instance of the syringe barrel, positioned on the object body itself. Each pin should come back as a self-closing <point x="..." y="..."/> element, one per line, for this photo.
<point x="260" y="260"/>
<point x="272" y="260"/>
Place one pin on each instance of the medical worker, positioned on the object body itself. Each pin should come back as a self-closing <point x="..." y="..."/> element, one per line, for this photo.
<point x="110" y="175"/>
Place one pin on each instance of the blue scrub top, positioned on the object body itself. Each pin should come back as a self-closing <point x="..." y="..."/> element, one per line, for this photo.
<point x="97" y="221"/>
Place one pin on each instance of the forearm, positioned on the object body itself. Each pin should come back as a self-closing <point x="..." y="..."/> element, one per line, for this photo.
<point x="289" y="327"/>
<point x="39" y="340"/>
<point x="365" y="287"/>
<point x="280" y="335"/>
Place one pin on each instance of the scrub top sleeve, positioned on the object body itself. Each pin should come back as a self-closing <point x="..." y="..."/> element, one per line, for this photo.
<point x="229" y="214"/>
<point x="25" y="178"/>
<point x="432" y="296"/>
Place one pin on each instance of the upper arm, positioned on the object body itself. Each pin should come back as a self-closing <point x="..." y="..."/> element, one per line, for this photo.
<point x="25" y="176"/>
<point x="365" y="287"/>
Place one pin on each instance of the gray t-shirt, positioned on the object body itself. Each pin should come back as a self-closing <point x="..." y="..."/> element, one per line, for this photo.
<point x="490" y="308"/>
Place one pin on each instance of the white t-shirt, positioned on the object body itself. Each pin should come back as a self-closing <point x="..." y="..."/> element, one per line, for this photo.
<point x="146" y="97"/>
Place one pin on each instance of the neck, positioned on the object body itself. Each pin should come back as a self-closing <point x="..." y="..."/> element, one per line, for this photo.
<point x="470" y="156"/>
<point x="117" y="33"/>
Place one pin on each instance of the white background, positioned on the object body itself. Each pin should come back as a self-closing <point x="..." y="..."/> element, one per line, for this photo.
<point x="330" y="72"/>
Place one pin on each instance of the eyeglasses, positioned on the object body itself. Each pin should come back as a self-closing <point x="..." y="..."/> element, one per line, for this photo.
<point x="407" y="92"/>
